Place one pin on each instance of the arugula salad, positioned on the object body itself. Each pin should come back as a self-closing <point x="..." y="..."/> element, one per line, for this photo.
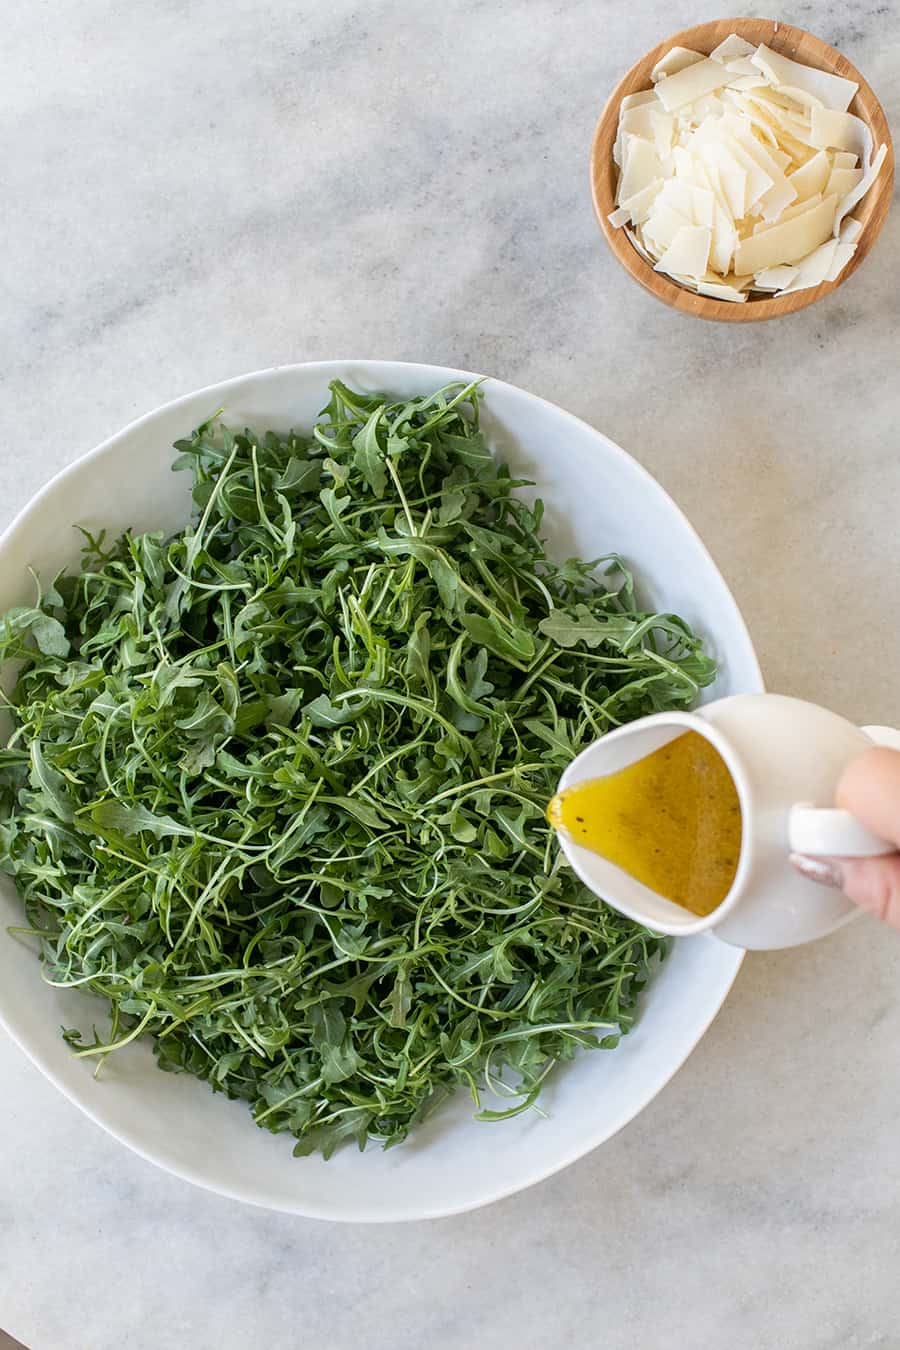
<point x="276" y="786"/>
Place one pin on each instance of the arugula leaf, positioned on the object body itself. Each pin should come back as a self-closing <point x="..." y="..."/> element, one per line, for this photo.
<point x="508" y="641"/>
<point x="581" y="625"/>
<point x="368" y="455"/>
<point x="49" y="785"/>
<point x="48" y="633"/>
<point x="128" y="820"/>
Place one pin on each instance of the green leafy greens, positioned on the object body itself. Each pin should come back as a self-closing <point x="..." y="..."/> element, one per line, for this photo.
<point x="276" y="785"/>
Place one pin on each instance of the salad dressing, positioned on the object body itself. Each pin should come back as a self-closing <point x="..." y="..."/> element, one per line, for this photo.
<point x="672" y="820"/>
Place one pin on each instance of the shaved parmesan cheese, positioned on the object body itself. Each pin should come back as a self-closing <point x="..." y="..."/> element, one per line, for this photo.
<point x="788" y="242"/>
<point x="775" y="278"/>
<point x="746" y="83"/>
<point x="780" y="95"/>
<point x="691" y="83"/>
<point x="732" y="48"/>
<point x="738" y="171"/>
<point x="843" y="181"/>
<point x="778" y="198"/>
<point x="834" y="91"/>
<point x="758" y="181"/>
<point x="661" y="227"/>
<point x="811" y="177"/>
<point x="683" y="164"/>
<point x="663" y="132"/>
<point x="861" y="188"/>
<point x="710" y="105"/>
<point x="743" y="136"/>
<point x="688" y="252"/>
<point x="842" y="255"/>
<point x="640" y="167"/>
<point x="850" y="230"/>
<point x="724" y="242"/>
<point x="770" y="121"/>
<point x="679" y="195"/>
<point x="699" y="175"/>
<point x="702" y="206"/>
<point x="799" y="207"/>
<point x="677" y="58"/>
<point x="814" y="268"/>
<point x="790" y="94"/>
<point x="635" y="100"/>
<point x="732" y="180"/>
<point x="743" y="66"/>
<point x="720" y="290"/>
<point x="638" y="206"/>
<point x="797" y="147"/>
<point x="639" y="121"/>
<point x="840" y="131"/>
<point x="762" y="121"/>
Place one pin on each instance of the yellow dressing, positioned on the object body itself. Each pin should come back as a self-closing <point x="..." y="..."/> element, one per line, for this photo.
<point x="672" y="820"/>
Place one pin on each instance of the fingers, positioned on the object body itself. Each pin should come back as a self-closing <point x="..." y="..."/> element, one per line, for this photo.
<point x="874" y="884"/>
<point x="870" y="788"/>
<point x="871" y="883"/>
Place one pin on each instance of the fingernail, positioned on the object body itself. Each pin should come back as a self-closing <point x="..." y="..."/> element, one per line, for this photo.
<point x="825" y="871"/>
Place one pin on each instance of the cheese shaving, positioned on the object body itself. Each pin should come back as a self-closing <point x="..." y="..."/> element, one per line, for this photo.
<point x="775" y="278"/>
<point x="812" y="176"/>
<point x="832" y="90"/>
<point x="677" y="58"/>
<point x="732" y="48"/>
<point x="635" y="100"/>
<point x="799" y="207"/>
<point x="842" y="255"/>
<point x="720" y="290"/>
<point x="814" y="268"/>
<point x="850" y="230"/>
<point x="856" y="194"/>
<point x="843" y="181"/>
<point x="747" y="70"/>
<point x="738" y="170"/>
<point x="638" y="206"/>
<point x="688" y="252"/>
<point x="840" y="131"/>
<point x="691" y="83"/>
<point x="788" y="242"/>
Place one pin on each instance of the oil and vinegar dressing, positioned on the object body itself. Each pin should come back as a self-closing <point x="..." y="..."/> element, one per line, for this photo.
<point x="672" y="820"/>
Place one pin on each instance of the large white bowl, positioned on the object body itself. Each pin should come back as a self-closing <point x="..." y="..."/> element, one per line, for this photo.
<point x="598" y="500"/>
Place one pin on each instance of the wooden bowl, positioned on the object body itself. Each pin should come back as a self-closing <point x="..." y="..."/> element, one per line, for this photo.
<point x="705" y="37"/>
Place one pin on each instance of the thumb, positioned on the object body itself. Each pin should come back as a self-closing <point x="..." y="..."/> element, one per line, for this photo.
<point x="871" y="883"/>
<point x="870" y="789"/>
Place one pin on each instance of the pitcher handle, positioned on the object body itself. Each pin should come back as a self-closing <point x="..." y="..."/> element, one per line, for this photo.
<point x="828" y="832"/>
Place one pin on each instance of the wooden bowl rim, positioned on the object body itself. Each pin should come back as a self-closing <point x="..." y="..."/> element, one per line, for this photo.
<point x="700" y="37"/>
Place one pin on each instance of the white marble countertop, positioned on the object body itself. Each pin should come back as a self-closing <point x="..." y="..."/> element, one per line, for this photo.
<point x="194" y="190"/>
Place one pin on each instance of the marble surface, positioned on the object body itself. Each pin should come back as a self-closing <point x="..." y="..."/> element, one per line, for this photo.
<point x="194" y="189"/>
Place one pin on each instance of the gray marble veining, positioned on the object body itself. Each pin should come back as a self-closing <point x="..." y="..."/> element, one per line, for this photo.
<point x="195" y="189"/>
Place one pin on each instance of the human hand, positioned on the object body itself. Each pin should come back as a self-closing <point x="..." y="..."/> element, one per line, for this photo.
<point x="870" y="789"/>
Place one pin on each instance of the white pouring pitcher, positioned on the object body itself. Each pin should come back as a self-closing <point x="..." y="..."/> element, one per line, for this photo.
<point x="785" y="757"/>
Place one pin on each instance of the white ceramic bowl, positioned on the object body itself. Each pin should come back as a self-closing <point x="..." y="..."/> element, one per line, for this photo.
<point x="598" y="500"/>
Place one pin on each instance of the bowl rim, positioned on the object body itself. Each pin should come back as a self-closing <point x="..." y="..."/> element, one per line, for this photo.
<point x="233" y="1187"/>
<point x="877" y="201"/>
